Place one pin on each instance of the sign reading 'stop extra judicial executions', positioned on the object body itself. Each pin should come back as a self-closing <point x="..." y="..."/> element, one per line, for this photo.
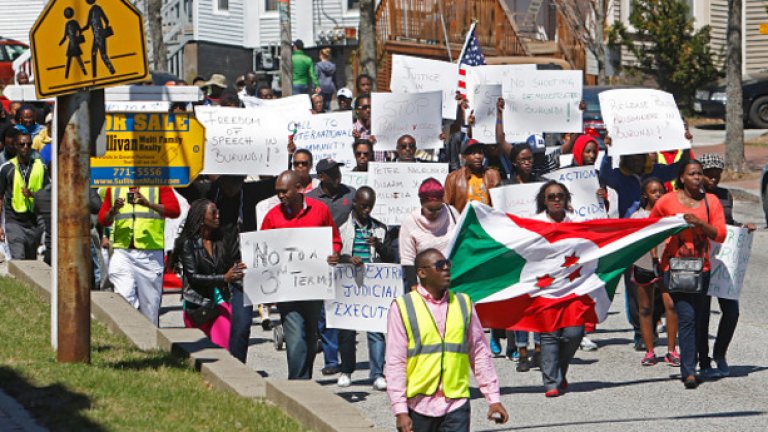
<point x="149" y="149"/>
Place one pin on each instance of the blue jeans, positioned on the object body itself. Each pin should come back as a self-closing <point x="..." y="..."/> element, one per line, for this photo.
<point x="330" y="341"/>
<point x="455" y="421"/>
<point x="300" y="89"/>
<point x="348" y="351"/>
<point x="521" y="339"/>
<point x="725" y="330"/>
<point x="557" y="351"/>
<point x="242" y="317"/>
<point x="692" y="335"/>
<point x="299" y="320"/>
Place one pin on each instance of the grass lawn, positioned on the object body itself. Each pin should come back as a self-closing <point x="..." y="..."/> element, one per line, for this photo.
<point x="123" y="389"/>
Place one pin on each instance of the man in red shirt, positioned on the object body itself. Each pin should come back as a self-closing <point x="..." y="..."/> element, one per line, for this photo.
<point x="299" y="318"/>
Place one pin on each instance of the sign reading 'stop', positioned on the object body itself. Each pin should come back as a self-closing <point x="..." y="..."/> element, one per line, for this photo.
<point x="79" y="44"/>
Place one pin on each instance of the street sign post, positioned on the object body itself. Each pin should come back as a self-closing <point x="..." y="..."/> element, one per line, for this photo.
<point x="150" y="149"/>
<point x="82" y="44"/>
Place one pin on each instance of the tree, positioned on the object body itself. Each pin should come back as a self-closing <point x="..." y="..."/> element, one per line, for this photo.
<point x="367" y="50"/>
<point x="586" y="20"/>
<point x="734" y="109"/>
<point x="667" y="47"/>
<point x="155" y="21"/>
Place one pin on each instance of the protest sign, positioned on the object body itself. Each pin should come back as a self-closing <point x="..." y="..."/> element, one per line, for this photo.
<point x="543" y="101"/>
<point x="140" y="106"/>
<point x="519" y="199"/>
<point x="582" y="183"/>
<point x="326" y="136"/>
<point x="244" y="141"/>
<point x="288" y="264"/>
<point x="640" y="121"/>
<point x="397" y="184"/>
<point x="416" y="74"/>
<point x="354" y="179"/>
<point x="729" y="263"/>
<point x="363" y="296"/>
<point x="485" y="97"/>
<point x="299" y="104"/>
<point x="417" y="114"/>
<point x="263" y="207"/>
<point x="497" y="74"/>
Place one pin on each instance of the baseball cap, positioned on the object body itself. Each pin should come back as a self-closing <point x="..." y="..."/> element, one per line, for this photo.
<point x="537" y="144"/>
<point x="471" y="144"/>
<point x="298" y="43"/>
<point x="344" y="92"/>
<point x="326" y="164"/>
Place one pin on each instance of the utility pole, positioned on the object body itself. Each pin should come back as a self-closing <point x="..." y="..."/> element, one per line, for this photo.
<point x="155" y="20"/>
<point x="367" y="49"/>
<point x="286" y="65"/>
<point x="734" y="109"/>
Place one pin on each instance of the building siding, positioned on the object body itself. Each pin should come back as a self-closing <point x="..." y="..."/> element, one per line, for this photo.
<point x="16" y="25"/>
<point x="269" y="24"/>
<point x="756" y="58"/>
<point x="225" y="29"/>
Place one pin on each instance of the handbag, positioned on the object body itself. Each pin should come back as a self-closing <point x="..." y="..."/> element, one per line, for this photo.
<point x="685" y="274"/>
<point x="199" y="309"/>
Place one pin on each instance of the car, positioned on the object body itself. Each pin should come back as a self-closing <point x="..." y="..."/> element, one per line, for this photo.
<point x="10" y="50"/>
<point x="764" y="191"/>
<point x="709" y="101"/>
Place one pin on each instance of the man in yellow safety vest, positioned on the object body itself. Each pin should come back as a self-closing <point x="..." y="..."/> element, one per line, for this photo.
<point x="433" y="338"/>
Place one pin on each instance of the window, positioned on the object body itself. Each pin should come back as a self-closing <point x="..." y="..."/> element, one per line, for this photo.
<point x="221" y="7"/>
<point x="270" y="5"/>
<point x="353" y="4"/>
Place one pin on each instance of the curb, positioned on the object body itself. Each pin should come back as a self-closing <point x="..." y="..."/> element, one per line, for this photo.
<point x="306" y="401"/>
<point x="743" y="193"/>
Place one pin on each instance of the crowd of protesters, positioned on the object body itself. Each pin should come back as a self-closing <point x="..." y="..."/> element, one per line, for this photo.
<point x="129" y="222"/>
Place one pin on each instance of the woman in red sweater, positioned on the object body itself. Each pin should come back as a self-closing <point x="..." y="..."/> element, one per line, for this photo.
<point x="704" y="214"/>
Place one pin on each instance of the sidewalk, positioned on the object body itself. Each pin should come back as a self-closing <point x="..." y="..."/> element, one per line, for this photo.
<point x="14" y="418"/>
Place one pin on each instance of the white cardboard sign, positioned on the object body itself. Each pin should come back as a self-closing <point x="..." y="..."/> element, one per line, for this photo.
<point x="582" y="183"/>
<point x="416" y="74"/>
<point x="417" y="114"/>
<point x="641" y="121"/>
<point x="363" y="296"/>
<point x="485" y="98"/>
<point x="288" y="264"/>
<point x="519" y="199"/>
<point x="397" y="184"/>
<point x="243" y="141"/>
<point x="327" y="136"/>
<point x="729" y="263"/>
<point x="299" y="104"/>
<point x="543" y="101"/>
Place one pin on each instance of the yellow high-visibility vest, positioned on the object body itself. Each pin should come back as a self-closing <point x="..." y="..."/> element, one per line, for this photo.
<point x="143" y="225"/>
<point x="433" y="359"/>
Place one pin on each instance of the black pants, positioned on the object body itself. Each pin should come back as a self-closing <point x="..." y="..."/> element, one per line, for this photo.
<point x="454" y="421"/>
<point x="23" y="239"/>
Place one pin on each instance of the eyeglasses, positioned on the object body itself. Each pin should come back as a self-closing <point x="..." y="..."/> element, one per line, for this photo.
<point x="25" y="143"/>
<point x="556" y="196"/>
<point x="362" y="154"/>
<point x="411" y="146"/>
<point x="301" y="163"/>
<point x="443" y="264"/>
<point x="364" y="107"/>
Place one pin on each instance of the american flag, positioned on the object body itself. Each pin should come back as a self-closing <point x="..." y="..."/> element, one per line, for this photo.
<point x="471" y="55"/>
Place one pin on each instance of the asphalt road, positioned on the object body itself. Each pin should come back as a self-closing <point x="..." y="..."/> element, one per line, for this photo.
<point x="609" y="389"/>
<point x="709" y="135"/>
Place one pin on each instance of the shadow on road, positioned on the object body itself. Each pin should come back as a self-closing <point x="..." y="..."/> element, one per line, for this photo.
<point x="725" y="415"/>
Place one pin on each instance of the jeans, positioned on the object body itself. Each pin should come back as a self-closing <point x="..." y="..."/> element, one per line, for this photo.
<point x="455" y="421"/>
<point x="299" y="320"/>
<point x="725" y="330"/>
<point x="521" y="339"/>
<point x="330" y="341"/>
<point x="242" y="317"/>
<point x="692" y="336"/>
<point x="348" y="351"/>
<point x="300" y="89"/>
<point x="633" y="307"/>
<point x="557" y="350"/>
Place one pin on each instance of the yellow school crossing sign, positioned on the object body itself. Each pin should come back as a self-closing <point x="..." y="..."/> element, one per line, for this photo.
<point x="80" y="44"/>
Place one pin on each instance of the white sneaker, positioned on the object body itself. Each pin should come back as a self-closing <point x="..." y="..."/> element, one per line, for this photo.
<point x="588" y="345"/>
<point x="345" y="380"/>
<point x="380" y="384"/>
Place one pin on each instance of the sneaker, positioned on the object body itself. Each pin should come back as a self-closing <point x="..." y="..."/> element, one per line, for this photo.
<point x="710" y="374"/>
<point x="523" y="365"/>
<point x="587" y="344"/>
<point x="536" y="359"/>
<point x="495" y="346"/>
<point x="515" y="357"/>
<point x="380" y="384"/>
<point x="552" y="393"/>
<point x="649" y="359"/>
<point x="672" y="359"/>
<point x="345" y="380"/>
<point x="330" y="370"/>
<point x="722" y="367"/>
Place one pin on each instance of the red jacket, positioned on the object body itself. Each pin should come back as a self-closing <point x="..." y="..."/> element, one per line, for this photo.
<point x="314" y="214"/>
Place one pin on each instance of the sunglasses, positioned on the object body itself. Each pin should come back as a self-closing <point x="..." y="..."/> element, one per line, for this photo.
<point x="301" y="163"/>
<point x="364" y="107"/>
<point x="407" y="146"/>
<point x="362" y="154"/>
<point x="556" y="196"/>
<point x="443" y="264"/>
<point x="22" y="144"/>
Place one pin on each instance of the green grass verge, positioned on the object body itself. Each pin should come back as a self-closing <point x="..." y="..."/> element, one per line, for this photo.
<point x="123" y="389"/>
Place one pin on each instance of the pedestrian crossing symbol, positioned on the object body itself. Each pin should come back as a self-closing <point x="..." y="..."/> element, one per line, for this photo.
<point x="79" y="44"/>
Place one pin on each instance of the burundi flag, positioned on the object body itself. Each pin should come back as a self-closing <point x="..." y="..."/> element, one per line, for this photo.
<point x="539" y="276"/>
